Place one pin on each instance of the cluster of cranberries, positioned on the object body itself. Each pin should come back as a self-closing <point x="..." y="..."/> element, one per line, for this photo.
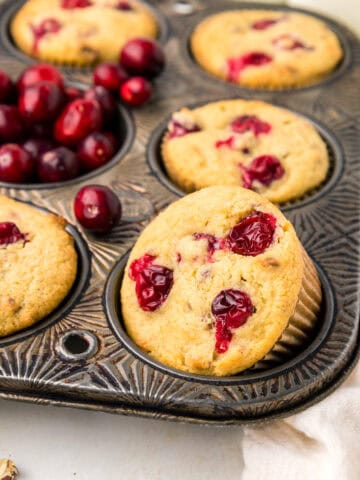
<point x="140" y="60"/>
<point x="50" y="132"/>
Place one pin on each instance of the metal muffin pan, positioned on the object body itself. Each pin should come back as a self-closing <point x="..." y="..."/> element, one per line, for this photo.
<point x="85" y="358"/>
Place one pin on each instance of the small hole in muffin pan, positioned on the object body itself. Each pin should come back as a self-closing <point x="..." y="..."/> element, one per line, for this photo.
<point x="335" y="152"/>
<point x="344" y="64"/>
<point x="77" y="345"/>
<point x="79" y="286"/>
<point x="124" y="130"/>
<point x="9" y="9"/>
<point x="112" y="305"/>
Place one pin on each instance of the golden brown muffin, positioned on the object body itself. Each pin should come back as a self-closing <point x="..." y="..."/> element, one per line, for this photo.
<point x="38" y="264"/>
<point x="80" y="32"/>
<point x="247" y="143"/>
<point x="265" y="48"/>
<point x="213" y="282"/>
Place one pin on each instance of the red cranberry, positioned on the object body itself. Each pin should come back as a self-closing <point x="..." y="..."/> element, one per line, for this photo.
<point x="244" y="123"/>
<point x="16" y="164"/>
<point x="38" y="73"/>
<point x="72" y="93"/>
<point x="70" y="4"/>
<point x="97" y="208"/>
<point x="109" y="76"/>
<point x="94" y="151"/>
<point x="37" y="146"/>
<point x="48" y="25"/>
<point x="78" y="119"/>
<point x="228" y="142"/>
<point x="40" y="130"/>
<point x="252" y="59"/>
<point x="153" y="282"/>
<point x="136" y="91"/>
<point x="231" y="309"/>
<point x="112" y="139"/>
<point x="176" y="129"/>
<point x="57" y="165"/>
<point x="7" y="88"/>
<point x="213" y="243"/>
<point x="253" y="234"/>
<point x="288" y="42"/>
<point x="264" y="169"/>
<point x="144" y="57"/>
<point x="106" y="100"/>
<point x="40" y="102"/>
<point x="264" y="24"/>
<point x="11" y="127"/>
<point x="123" y="5"/>
<point x="9" y="233"/>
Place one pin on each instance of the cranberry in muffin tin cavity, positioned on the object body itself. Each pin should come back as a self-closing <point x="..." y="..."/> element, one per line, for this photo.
<point x="265" y="23"/>
<point x="231" y="309"/>
<point x="47" y="26"/>
<point x="264" y="169"/>
<point x="9" y="233"/>
<point x="178" y="129"/>
<point x="70" y="4"/>
<point x="246" y="123"/>
<point x="153" y="282"/>
<point x="252" y="59"/>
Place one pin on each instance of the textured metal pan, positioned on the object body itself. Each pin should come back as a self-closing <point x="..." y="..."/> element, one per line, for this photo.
<point x="105" y="375"/>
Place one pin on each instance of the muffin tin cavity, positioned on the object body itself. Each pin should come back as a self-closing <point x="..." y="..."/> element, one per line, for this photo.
<point x="335" y="152"/>
<point x="123" y="129"/>
<point x="192" y="64"/>
<point x="79" y="286"/>
<point x="259" y="372"/>
<point x="77" y="345"/>
<point x="9" y="9"/>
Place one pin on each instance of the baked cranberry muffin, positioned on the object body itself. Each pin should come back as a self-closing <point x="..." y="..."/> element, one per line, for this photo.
<point x="38" y="264"/>
<point x="80" y="32"/>
<point x="265" y="48"/>
<point x="215" y="280"/>
<point x="248" y="143"/>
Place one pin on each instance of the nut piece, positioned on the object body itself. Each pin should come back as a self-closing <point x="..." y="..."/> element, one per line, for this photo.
<point x="8" y="470"/>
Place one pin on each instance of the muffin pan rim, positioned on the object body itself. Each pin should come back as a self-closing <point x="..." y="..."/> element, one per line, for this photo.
<point x="72" y="298"/>
<point x="344" y="64"/>
<point x="130" y="133"/>
<point x="8" y="9"/>
<point x="156" y="164"/>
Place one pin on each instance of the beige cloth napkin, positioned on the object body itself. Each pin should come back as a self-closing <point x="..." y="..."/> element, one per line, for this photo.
<point x="321" y="443"/>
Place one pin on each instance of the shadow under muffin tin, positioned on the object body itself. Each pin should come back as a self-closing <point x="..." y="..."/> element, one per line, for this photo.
<point x="81" y="356"/>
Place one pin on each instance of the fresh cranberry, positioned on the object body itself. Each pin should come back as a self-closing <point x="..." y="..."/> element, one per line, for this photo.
<point x="40" y="130"/>
<point x="94" y="151"/>
<point x="72" y="93"/>
<point x="123" y="5"/>
<point x="78" y="119"/>
<point x="48" y="25"/>
<point x="97" y="208"/>
<point x="264" y="24"/>
<point x="40" y="102"/>
<point x="11" y="127"/>
<point x="9" y="233"/>
<point x="153" y="282"/>
<point x="106" y="100"/>
<point x="112" y="139"/>
<point x="109" y="76"/>
<point x="253" y="234"/>
<point x="176" y="129"/>
<point x="16" y="164"/>
<point x="231" y="309"/>
<point x="7" y="88"/>
<point x="144" y="57"/>
<point x="237" y="65"/>
<point x="37" y="146"/>
<point x="37" y="73"/>
<point x="136" y="91"/>
<point x="264" y="169"/>
<point x="244" y="123"/>
<point x="57" y="165"/>
<point x="289" y="42"/>
<point x="70" y="4"/>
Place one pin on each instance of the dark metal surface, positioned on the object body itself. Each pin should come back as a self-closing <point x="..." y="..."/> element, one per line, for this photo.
<point x="112" y="379"/>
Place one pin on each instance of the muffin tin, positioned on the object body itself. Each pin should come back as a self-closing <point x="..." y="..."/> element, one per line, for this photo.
<point x="81" y="355"/>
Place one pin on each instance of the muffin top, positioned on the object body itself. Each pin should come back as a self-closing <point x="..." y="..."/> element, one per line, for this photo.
<point x="38" y="264"/>
<point x="80" y="32"/>
<point x="248" y="143"/>
<point x="265" y="48"/>
<point x="212" y="282"/>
